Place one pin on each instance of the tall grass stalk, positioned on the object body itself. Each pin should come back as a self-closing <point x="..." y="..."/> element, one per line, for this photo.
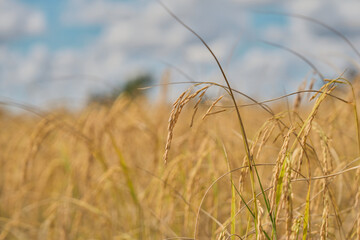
<point x="249" y="157"/>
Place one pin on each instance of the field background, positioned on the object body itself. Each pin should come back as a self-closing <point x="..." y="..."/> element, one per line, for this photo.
<point x="100" y="173"/>
<point x="184" y="119"/>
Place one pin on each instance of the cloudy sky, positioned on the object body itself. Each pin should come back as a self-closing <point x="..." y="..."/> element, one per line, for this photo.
<point x="60" y="51"/>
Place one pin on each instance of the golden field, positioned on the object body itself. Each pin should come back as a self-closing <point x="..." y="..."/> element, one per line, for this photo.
<point x="101" y="173"/>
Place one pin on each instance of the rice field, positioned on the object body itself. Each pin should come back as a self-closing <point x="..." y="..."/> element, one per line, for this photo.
<point x="204" y="167"/>
<point x="125" y="172"/>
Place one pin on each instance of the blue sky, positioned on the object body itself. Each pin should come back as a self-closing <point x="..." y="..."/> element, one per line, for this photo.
<point x="57" y="35"/>
<point x="61" y="51"/>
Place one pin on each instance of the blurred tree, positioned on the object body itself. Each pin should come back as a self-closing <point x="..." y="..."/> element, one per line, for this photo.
<point x="351" y="73"/>
<point x="131" y="88"/>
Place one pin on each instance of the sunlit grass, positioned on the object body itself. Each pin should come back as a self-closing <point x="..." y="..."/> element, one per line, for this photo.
<point x="100" y="173"/>
<point x="222" y="167"/>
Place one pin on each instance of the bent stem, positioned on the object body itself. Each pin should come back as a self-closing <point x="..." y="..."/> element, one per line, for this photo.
<point x="249" y="157"/>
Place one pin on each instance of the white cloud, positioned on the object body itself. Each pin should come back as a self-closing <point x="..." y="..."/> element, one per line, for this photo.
<point x="96" y="12"/>
<point x="35" y="23"/>
<point x="134" y="33"/>
<point x="197" y="53"/>
<point x="148" y="28"/>
<point x="315" y="42"/>
<point x="31" y="68"/>
<point x="261" y="72"/>
<point x="18" y="19"/>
